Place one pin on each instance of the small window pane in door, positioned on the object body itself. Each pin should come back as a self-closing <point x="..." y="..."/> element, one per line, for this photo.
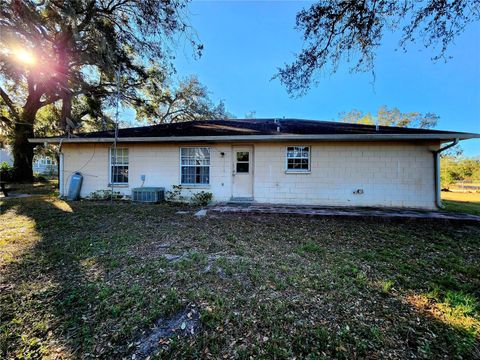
<point x="242" y="155"/>
<point x="242" y="167"/>
<point x="243" y="161"/>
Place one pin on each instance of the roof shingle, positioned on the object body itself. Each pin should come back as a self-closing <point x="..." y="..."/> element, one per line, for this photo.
<point x="259" y="129"/>
<point x="256" y="127"/>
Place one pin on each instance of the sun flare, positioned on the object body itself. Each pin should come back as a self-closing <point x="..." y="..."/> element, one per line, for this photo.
<point x="25" y="56"/>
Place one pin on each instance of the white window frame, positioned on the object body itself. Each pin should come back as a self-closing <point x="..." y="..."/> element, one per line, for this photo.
<point x="309" y="158"/>
<point x="110" y="165"/>
<point x="209" y="166"/>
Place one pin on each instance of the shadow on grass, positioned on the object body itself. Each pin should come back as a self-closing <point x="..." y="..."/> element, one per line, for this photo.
<point x="56" y="293"/>
<point x="50" y="283"/>
<point x="345" y="293"/>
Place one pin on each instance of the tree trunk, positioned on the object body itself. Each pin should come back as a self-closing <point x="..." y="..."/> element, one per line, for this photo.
<point x="22" y="149"/>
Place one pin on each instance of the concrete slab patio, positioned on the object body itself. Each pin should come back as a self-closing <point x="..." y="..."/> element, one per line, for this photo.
<point x="325" y="211"/>
<point x="14" y="196"/>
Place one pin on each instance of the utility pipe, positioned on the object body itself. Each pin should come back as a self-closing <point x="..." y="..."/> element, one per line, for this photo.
<point x="436" y="157"/>
<point x="61" y="177"/>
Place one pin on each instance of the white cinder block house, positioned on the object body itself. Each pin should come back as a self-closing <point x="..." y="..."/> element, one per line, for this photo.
<point x="285" y="161"/>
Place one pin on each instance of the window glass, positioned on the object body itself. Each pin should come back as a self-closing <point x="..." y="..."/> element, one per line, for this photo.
<point x="195" y="165"/>
<point x="298" y="158"/>
<point x="242" y="163"/>
<point x="119" y="166"/>
<point x="242" y="155"/>
<point x="242" y="167"/>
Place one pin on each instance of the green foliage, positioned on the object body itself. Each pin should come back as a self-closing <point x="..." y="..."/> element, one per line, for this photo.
<point x="349" y="31"/>
<point x="391" y="117"/>
<point x="39" y="178"/>
<point x="175" y="195"/>
<point x="386" y="286"/>
<point x="84" y="42"/>
<point x="6" y="172"/>
<point x="105" y="195"/>
<point x="65" y="55"/>
<point x="87" y="114"/>
<point x="201" y="198"/>
<point x="188" y="101"/>
<point x="454" y="169"/>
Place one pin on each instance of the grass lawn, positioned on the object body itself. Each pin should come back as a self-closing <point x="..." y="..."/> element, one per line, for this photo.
<point x="88" y="279"/>
<point x="48" y="187"/>
<point x="466" y="202"/>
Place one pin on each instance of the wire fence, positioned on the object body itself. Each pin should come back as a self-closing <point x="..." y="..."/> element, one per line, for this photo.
<point x="467" y="185"/>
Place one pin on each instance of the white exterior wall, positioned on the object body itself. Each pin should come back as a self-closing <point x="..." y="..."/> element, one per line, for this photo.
<point x="159" y="163"/>
<point x="389" y="174"/>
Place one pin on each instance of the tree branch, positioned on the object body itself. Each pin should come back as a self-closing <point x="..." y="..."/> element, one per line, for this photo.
<point x="6" y="121"/>
<point x="9" y="103"/>
<point x="50" y="100"/>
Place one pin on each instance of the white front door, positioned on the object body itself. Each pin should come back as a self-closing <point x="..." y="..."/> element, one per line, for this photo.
<point x="242" y="172"/>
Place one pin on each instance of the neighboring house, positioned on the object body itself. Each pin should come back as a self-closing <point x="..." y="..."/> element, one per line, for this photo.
<point x="5" y="152"/>
<point x="6" y="155"/>
<point x="44" y="165"/>
<point x="285" y="161"/>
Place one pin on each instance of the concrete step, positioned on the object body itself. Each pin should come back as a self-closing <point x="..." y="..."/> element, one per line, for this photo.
<point x="241" y="200"/>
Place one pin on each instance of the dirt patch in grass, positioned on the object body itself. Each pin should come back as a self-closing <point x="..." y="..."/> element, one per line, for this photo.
<point x="90" y="279"/>
<point x="182" y="324"/>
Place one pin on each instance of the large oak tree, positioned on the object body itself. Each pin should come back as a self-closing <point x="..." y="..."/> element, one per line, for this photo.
<point x="52" y="51"/>
<point x="187" y="101"/>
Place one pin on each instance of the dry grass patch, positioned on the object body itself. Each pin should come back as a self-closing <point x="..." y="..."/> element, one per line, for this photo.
<point x="465" y="202"/>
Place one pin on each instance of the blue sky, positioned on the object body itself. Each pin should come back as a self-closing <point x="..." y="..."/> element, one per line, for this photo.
<point x="245" y="41"/>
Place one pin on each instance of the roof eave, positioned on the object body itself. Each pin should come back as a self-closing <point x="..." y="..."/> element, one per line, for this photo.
<point x="229" y="138"/>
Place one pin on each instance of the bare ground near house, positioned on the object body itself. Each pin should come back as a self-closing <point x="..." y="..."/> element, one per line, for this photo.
<point x="91" y="279"/>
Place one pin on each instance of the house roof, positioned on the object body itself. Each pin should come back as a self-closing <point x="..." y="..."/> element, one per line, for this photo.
<point x="260" y="129"/>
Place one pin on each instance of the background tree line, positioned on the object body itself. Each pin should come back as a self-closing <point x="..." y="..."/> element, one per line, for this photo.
<point x="456" y="170"/>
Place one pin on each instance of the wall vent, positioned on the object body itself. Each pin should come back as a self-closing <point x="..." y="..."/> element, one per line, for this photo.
<point x="148" y="194"/>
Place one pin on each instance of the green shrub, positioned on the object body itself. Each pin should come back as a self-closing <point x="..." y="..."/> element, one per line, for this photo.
<point x="201" y="198"/>
<point x="175" y="194"/>
<point x="105" y="195"/>
<point x="6" y="172"/>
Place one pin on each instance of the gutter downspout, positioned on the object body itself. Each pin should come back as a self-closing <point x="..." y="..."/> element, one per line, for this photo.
<point x="436" y="156"/>
<point x="61" y="177"/>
